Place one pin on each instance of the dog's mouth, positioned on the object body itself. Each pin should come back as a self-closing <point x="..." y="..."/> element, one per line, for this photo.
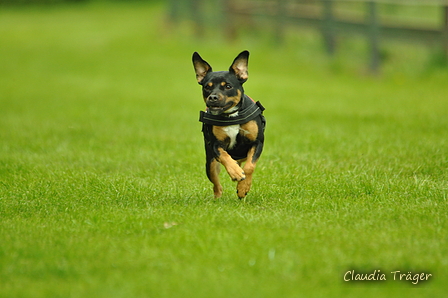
<point x="217" y="110"/>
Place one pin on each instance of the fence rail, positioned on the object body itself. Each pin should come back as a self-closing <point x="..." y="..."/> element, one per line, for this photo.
<point x="328" y="19"/>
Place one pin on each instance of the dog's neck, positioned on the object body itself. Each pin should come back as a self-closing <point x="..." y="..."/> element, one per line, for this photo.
<point x="247" y="110"/>
<point x="233" y="112"/>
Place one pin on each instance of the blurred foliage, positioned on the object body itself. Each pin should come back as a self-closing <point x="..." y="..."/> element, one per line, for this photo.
<point x="46" y="2"/>
<point x="23" y="2"/>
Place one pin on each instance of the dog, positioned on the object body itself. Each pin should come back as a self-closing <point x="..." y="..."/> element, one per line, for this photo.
<point x="233" y="124"/>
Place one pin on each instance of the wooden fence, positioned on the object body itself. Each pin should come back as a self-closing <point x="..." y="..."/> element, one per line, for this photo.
<point x="324" y="15"/>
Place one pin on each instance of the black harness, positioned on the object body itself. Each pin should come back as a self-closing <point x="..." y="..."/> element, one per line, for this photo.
<point x="249" y="110"/>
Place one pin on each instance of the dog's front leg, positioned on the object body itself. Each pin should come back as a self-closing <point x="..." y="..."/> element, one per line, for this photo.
<point x="223" y="137"/>
<point x="252" y="133"/>
<point x="231" y="165"/>
<point x="244" y="186"/>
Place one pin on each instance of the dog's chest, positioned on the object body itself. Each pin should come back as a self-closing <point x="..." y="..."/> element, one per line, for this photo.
<point x="232" y="131"/>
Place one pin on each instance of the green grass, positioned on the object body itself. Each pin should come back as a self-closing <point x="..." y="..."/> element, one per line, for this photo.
<point x="102" y="185"/>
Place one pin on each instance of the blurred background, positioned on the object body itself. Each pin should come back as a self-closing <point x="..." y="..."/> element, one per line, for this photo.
<point x="379" y="21"/>
<point x="377" y="26"/>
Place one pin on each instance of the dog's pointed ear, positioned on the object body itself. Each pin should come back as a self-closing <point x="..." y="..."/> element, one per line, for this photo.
<point x="239" y="66"/>
<point x="201" y="67"/>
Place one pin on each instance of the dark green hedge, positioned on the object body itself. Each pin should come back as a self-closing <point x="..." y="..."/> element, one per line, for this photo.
<point x="22" y="2"/>
<point x="38" y="2"/>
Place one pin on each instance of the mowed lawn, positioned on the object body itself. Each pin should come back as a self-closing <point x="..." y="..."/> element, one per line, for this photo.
<point x="103" y="190"/>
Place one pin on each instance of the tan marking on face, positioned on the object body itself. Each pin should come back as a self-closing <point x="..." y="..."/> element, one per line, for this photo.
<point x="235" y="99"/>
<point x="249" y="130"/>
<point x="210" y="84"/>
<point x="223" y="84"/>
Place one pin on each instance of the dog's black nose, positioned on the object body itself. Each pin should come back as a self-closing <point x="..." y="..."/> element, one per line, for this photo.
<point x="213" y="98"/>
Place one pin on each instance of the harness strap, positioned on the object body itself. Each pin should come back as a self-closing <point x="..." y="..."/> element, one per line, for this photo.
<point x="245" y="115"/>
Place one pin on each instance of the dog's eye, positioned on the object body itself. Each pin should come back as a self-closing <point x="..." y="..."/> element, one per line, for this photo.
<point x="208" y="87"/>
<point x="228" y="86"/>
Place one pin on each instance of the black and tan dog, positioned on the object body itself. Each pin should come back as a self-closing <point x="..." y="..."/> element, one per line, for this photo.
<point x="233" y="124"/>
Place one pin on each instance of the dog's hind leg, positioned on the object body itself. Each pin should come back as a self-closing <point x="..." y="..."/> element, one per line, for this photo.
<point x="213" y="169"/>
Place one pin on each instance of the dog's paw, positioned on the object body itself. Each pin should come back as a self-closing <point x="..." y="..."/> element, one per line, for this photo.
<point x="243" y="188"/>
<point x="217" y="190"/>
<point x="236" y="172"/>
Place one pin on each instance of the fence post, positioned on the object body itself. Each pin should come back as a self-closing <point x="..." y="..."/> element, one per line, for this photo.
<point x="445" y="31"/>
<point x="373" y="34"/>
<point x="197" y="14"/>
<point x="328" y="26"/>
<point x="280" y="21"/>
<point x="174" y="10"/>
<point x="229" y="19"/>
<point x="220" y="13"/>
